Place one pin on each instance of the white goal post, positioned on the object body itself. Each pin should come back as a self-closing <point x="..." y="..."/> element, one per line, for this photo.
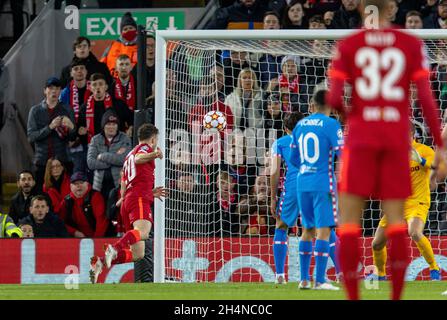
<point x="207" y="42"/>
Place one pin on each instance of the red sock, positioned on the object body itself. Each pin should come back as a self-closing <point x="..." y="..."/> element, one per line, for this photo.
<point x="349" y="258"/>
<point x="131" y="237"/>
<point x="123" y="256"/>
<point x="399" y="257"/>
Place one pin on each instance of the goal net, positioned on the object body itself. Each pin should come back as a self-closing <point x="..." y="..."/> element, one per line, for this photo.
<point x="216" y="225"/>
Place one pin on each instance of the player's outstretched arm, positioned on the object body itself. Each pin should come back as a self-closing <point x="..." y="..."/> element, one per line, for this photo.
<point x="141" y="158"/>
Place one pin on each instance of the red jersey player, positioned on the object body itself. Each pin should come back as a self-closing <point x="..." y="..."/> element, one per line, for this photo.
<point x="137" y="195"/>
<point x="379" y="64"/>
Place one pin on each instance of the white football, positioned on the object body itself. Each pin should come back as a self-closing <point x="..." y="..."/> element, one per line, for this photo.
<point x="214" y="120"/>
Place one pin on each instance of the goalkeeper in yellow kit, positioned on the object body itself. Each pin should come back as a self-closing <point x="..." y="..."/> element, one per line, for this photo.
<point x="416" y="211"/>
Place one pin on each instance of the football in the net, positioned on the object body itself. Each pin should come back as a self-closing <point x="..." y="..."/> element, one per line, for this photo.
<point x="214" y="120"/>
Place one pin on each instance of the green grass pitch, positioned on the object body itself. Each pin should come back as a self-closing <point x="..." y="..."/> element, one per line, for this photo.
<point x="418" y="290"/>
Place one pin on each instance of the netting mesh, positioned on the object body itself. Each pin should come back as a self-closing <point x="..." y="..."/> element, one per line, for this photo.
<point x="217" y="217"/>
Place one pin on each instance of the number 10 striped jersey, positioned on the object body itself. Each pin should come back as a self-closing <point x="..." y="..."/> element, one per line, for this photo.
<point x="139" y="178"/>
<point x="316" y="140"/>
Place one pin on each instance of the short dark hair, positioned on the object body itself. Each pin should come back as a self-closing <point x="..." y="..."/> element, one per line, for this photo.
<point x="97" y="76"/>
<point x="25" y="171"/>
<point x="147" y="131"/>
<point x="39" y="197"/>
<point x="79" y="40"/>
<point x="413" y="13"/>
<point x="319" y="98"/>
<point x="271" y="13"/>
<point x="78" y="62"/>
<point x="291" y="119"/>
<point x="316" y="18"/>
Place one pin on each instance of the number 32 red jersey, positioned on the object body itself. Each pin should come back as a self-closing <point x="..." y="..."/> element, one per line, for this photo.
<point x="379" y="65"/>
<point x="139" y="178"/>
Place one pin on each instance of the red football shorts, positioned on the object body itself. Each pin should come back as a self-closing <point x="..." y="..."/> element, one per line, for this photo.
<point x="377" y="172"/>
<point x="133" y="209"/>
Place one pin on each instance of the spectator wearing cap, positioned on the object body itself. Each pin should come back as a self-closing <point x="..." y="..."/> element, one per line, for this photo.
<point x="348" y="16"/>
<point x="125" y="44"/>
<point x="438" y="19"/>
<point x="106" y="154"/>
<point x="413" y="20"/>
<point x="82" y="51"/>
<point x="294" y="17"/>
<point x="83" y="210"/>
<point x="50" y="127"/>
<point x="242" y="14"/>
<point x="44" y="223"/>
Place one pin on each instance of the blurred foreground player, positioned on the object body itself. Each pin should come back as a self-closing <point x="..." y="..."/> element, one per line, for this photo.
<point x="380" y="64"/>
<point x="137" y="195"/>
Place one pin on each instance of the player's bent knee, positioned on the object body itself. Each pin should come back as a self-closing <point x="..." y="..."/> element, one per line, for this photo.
<point x="144" y="227"/>
<point x="415" y="235"/>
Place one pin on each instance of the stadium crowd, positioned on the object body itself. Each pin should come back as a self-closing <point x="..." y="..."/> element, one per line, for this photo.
<point x="82" y="129"/>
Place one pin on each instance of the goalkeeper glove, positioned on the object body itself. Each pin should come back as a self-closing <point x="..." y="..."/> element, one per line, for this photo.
<point x="415" y="156"/>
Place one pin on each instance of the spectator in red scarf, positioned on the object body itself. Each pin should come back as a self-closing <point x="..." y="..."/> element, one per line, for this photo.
<point x="89" y="123"/>
<point x="50" y="127"/>
<point x="83" y="210"/>
<point x="56" y="182"/>
<point x="77" y="91"/>
<point x="124" y="83"/>
<point x="75" y="95"/>
<point x="289" y="82"/>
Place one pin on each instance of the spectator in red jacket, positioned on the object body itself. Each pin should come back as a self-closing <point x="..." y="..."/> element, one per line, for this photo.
<point x="56" y="182"/>
<point x="83" y="210"/>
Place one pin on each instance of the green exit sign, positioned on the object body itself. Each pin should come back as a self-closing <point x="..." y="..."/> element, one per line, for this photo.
<point x="107" y="25"/>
